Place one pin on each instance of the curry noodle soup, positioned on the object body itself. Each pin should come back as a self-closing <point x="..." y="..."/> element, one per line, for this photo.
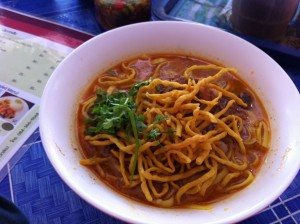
<point x="172" y="130"/>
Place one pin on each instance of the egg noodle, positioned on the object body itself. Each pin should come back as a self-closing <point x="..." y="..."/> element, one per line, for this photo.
<point x="190" y="155"/>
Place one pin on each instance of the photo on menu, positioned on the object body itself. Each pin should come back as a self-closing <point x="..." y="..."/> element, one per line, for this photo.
<point x="12" y="109"/>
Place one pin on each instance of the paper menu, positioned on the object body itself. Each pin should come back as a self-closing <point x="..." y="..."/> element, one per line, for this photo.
<point x="30" y="50"/>
<point x="26" y="63"/>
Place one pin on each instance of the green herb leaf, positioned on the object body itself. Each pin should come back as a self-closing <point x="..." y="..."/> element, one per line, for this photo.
<point x="153" y="134"/>
<point x="169" y="131"/>
<point x="135" y="88"/>
<point x="158" y="118"/>
<point x="111" y="113"/>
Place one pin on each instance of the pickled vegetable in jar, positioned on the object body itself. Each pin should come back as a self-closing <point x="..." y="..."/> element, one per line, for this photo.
<point x="115" y="13"/>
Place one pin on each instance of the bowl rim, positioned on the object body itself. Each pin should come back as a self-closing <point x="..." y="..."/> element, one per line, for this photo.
<point x="45" y="137"/>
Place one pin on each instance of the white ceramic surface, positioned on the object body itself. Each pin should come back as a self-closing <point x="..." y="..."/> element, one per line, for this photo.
<point x="265" y="76"/>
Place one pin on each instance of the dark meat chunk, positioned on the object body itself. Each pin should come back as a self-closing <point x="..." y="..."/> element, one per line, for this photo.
<point x="247" y="98"/>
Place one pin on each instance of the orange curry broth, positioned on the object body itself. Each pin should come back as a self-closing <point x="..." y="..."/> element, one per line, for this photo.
<point x="173" y="71"/>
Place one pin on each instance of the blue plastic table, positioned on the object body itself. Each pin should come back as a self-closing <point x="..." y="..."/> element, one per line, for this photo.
<point x="34" y="186"/>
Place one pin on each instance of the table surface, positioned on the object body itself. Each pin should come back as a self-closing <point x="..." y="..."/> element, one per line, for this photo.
<point x="35" y="187"/>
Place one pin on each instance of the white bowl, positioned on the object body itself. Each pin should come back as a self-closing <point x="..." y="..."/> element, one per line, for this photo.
<point x="277" y="92"/>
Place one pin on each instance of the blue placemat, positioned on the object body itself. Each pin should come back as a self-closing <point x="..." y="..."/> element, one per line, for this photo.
<point x="35" y="187"/>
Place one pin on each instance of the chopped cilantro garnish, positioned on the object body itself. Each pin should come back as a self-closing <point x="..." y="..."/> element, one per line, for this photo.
<point x="153" y="134"/>
<point x="114" y="112"/>
<point x="158" y="118"/>
<point x="111" y="113"/>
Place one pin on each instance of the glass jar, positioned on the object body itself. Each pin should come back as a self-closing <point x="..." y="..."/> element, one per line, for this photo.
<point x="115" y="13"/>
<point x="266" y="19"/>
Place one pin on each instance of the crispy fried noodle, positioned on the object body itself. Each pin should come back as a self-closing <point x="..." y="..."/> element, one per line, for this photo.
<point x="191" y="150"/>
